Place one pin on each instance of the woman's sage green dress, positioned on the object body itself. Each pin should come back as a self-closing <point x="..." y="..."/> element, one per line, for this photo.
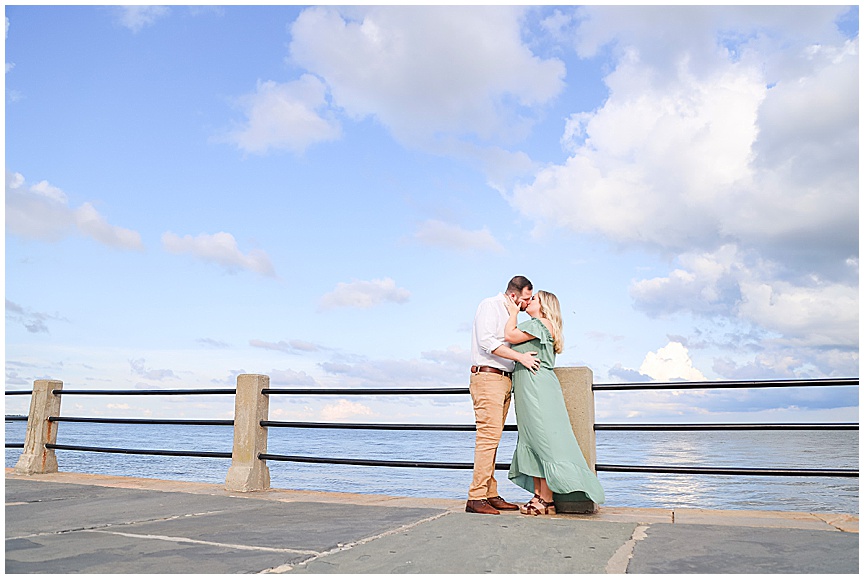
<point x="546" y="446"/>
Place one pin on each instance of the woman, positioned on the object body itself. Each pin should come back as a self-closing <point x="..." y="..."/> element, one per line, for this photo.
<point x="547" y="458"/>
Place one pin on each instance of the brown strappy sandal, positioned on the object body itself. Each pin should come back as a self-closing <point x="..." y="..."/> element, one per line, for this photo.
<point x="530" y="508"/>
<point x="524" y="508"/>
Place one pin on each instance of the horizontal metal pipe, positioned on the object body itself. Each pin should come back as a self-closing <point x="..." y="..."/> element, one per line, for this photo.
<point x="185" y="392"/>
<point x="608" y="427"/>
<point x="459" y="427"/>
<point x="731" y="426"/>
<point x="14" y="445"/>
<point x="364" y="462"/>
<point x="378" y="426"/>
<point x="203" y="422"/>
<point x="599" y="467"/>
<point x="844" y="473"/>
<point x="364" y="391"/>
<point x="409" y="391"/>
<point x="201" y="454"/>
<point x="670" y="427"/>
<point x="710" y="385"/>
<point x="726" y="384"/>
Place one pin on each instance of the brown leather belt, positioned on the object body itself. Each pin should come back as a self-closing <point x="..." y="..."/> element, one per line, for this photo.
<point x="475" y="369"/>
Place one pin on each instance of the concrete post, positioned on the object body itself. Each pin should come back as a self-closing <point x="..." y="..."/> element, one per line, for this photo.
<point x="579" y="399"/>
<point x="247" y="472"/>
<point x="36" y="459"/>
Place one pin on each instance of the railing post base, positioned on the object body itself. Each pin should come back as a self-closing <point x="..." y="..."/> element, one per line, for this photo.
<point x="36" y="459"/>
<point x="247" y="472"/>
<point x="575" y="503"/>
<point x="576" y="383"/>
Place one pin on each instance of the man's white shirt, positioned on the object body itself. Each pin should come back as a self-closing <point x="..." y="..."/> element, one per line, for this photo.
<point x="489" y="323"/>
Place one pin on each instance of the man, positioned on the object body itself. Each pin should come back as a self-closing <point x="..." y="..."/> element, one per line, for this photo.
<point x="493" y="362"/>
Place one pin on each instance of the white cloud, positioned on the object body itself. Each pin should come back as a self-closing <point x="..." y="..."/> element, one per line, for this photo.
<point x="822" y="315"/>
<point x="285" y="116"/>
<point x="803" y="202"/>
<point x="290" y="347"/>
<point x="220" y="248"/>
<point x="92" y="224"/>
<point x="291" y="378"/>
<point x="728" y="283"/>
<point x="448" y="236"/>
<point x="138" y="367"/>
<point x="33" y="322"/>
<point x="707" y="283"/>
<point x="364" y="294"/>
<point x="211" y="343"/>
<point x="9" y="65"/>
<point x="770" y="366"/>
<point x="454" y="357"/>
<point x="671" y="362"/>
<point x="663" y="181"/>
<point x="741" y="127"/>
<point x="343" y="409"/>
<point x="135" y="18"/>
<point x="42" y="211"/>
<point x="427" y="71"/>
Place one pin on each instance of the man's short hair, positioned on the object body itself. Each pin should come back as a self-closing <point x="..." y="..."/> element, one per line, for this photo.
<point x="519" y="283"/>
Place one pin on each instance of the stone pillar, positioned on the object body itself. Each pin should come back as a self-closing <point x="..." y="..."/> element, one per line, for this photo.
<point x="579" y="399"/>
<point x="247" y="472"/>
<point x="36" y="459"/>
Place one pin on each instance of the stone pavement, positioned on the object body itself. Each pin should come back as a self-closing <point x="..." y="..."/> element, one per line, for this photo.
<point x="77" y="523"/>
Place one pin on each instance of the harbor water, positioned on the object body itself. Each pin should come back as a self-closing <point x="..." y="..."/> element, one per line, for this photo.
<point x="763" y="449"/>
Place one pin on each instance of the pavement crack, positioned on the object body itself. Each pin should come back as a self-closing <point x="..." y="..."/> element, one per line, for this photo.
<point x="346" y="546"/>
<point x="237" y="546"/>
<point x="838" y="522"/>
<point x="619" y="561"/>
<point x="109" y="525"/>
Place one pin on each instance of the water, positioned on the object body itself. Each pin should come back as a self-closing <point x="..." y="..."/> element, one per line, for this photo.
<point x="789" y="449"/>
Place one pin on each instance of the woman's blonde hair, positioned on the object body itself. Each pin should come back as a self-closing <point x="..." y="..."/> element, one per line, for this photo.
<point x="551" y="310"/>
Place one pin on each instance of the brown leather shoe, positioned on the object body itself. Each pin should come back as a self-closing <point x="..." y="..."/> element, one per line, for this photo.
<point x="482" y="507"/>
<point x="501" y="504"/>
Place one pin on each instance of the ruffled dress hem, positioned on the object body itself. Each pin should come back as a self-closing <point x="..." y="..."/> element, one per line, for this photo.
<point x="563" y="477"/>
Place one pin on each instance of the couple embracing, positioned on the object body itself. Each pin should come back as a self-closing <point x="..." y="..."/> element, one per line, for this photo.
<point x="506" y="358"/>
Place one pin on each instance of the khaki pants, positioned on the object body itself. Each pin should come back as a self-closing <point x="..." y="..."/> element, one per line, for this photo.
<point x="491" y="396"/>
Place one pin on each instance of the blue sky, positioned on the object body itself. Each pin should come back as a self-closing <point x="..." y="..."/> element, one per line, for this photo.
<point x="324" y="195"/>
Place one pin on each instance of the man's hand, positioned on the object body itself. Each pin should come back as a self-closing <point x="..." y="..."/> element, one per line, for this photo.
<point x="529" y="360"/>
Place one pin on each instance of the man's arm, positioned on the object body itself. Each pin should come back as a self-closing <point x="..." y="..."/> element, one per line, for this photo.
<point x="527" y="359"/>
<point x="486" y="328"/>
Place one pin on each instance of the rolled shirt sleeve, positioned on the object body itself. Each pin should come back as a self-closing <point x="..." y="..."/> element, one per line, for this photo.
<point x="486" y="329"/>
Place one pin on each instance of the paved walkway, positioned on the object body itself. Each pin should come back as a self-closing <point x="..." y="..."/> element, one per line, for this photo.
<point x="75" y="523"/>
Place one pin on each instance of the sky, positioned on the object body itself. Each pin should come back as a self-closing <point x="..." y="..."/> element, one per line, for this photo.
<point x="324" y="194"/>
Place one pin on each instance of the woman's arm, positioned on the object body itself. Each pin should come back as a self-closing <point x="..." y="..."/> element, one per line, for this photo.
<point x="511" y="334"/>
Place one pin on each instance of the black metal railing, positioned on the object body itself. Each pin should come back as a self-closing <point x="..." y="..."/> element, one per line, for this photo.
<point x="730" y="426"/>
<point x="661" y="469"/>
<point x="804" y="383"/>
<point x="464" y="428"/>
<point x="611" y="427"/>
<point x="16" y="418"/>
<point x="204" y="422"/>
<point x="145" y="451"/>
<point x="166" y="392"/>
